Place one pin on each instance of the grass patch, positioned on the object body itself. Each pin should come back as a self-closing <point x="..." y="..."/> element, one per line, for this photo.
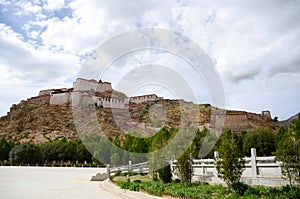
<point x="204" y="190"/>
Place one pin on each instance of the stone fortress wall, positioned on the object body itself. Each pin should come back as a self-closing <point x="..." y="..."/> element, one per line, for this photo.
<point x="144" y="98"/>
<point x="87" y="85"/>
<point x="266" y="115"/>
<point x="238" y="120"/>
<point x="60" y="98"/>
<point x="45" y="92"/>
<point x="87" y="88"/>
<point x="110" y="102"/>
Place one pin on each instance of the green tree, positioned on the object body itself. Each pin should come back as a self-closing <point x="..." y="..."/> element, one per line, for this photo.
<point x="210" y="144"/>
<point x="117" y="141"/>
<point x="123" y="156"/>
<point x="26" y="153"/>
<point x="115" y="159"/>
<point x="102" y="151"/>
<point x="55" y="150"/>
<point x="279" y="135"/>
<point x="266" y="144"/>
<point x="197" y="142"/>
<point x="250" y="140"/>
<point x="184" y="162"/>
<point x="184" y="167"/>
<point x="128" y="141"/>
<point x="82" y="153"/>
<point x="165" y="174"/>
<point x="262" y="139"/>
<point x="71" y="151"/>
<point x="4" y="149"/>
<point x="49" y="151"/>
<point x="139" y="145"/>
<point x="90" y="142"/>
<point x="161" y="138"/>
<point x="194" y="150"/>
<point x="60" y="149"/>
<point x="288" y="152"/>
<point x="230" y="165"/>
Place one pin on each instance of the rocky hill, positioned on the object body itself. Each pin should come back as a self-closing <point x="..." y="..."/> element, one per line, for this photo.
<point x="35" y="119"/>
<point x="286" y="123"/>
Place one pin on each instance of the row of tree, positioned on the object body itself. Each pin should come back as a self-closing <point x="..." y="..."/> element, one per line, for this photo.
<point x="116" y="152"/>
<point x="59" y="150"/>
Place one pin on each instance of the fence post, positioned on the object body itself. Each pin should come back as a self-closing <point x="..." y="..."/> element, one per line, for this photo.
<point x="129" y="166"/>
<point x="216" y="155"/>
<point x="108" y="170"/>
<point x="253" y="163"/>
<point x="141" y="169"/>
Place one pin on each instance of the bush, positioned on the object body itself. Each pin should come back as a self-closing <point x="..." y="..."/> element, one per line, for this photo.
<point x="201" y="190"/>
<point x="165" y="174"/>
<point x="123" y="184"/>
<point x="134" y="187"/>
<point x="137" y="181"/>
<point x="239" y="188"/>
<point x="291" y="192"/>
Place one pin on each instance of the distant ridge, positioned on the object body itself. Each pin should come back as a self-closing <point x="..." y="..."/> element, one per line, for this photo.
<point x="286" y="123"/>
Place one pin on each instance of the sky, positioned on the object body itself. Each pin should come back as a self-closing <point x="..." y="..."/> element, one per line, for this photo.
<point x="254" y="46"/>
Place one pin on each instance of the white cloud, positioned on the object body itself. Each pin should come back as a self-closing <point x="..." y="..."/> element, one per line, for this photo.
<point x="242" y="36"/>
<point x="252" y="42"/>
<point x="44" y="64"/>
<point x="30" y="7"/>
<point x="54" y="4"/>
<point x="24" y="70"/>
<point x="71" y="35"/>
<point x="94" y="22"/>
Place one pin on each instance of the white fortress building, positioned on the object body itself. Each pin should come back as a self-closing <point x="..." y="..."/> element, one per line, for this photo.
<point x="87" y="89"/>
<point x="88" y="85"/>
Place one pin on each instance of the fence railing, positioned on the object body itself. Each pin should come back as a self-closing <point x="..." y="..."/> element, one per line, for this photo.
<point x="257" y="171"/>
<point x="55" y="164"/>
<point x="138" y="168"/>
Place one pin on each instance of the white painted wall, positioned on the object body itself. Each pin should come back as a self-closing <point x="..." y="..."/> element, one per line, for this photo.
<point x="87" y="85"/>
<point x="60" y="98"/>
<point x="111" y="103"/>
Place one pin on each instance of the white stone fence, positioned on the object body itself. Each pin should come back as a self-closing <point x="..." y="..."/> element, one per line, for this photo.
<point x="138" y="168"/>
<point x="258" y="170"/>
<point x="142" y="168"/>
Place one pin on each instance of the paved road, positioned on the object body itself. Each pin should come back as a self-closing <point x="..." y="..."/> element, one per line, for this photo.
<point x="49" y="183"/>
<point x="56" y="182"/>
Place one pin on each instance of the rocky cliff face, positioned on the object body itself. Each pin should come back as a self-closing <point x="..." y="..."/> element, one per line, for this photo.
<point x="36" y="120"/>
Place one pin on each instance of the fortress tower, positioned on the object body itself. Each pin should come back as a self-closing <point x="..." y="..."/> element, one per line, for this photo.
<point x="88" y="85"/>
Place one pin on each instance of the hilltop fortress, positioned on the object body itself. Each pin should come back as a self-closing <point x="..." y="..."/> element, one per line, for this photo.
<point x="101" y="92"/>
<point x="49" y="115"/>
